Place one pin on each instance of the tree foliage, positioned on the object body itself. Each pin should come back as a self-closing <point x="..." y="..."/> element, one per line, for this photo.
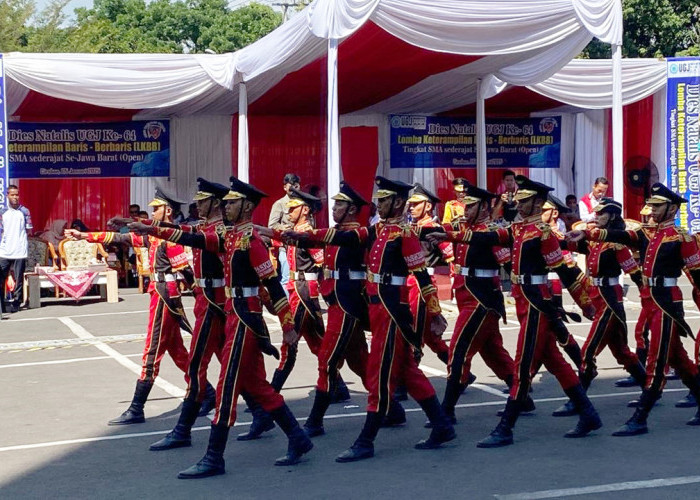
<point x="134" y="26"/>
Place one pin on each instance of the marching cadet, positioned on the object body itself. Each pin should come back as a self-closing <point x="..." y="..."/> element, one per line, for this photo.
<point x="479" y="299"/>
<point x="304" y="266"/>
<point x="166" y="315"/>
<point x="247" y="268"/>
<point x="605" y="262"/>
<point x="420" y="207"/>
<point x="535" y="250"/>
<point x="394" y="252"/>
<point x="641" y="328"/>
<point x="664" y="253"/>
<point x="454" y="209"/>
<point x="344" y="275"/>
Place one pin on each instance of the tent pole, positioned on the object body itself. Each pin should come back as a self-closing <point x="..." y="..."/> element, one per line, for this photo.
<point x="243" y="157"/>
<point x="333" y="133"/>
<point x="480" y="137"/>
<point x="617" y="125"/>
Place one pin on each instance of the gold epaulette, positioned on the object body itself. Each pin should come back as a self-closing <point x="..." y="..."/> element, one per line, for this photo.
<point x="685" y="235"/>
<point x="632" y="225"/>
<point x="409" y="230"/>
<point x="545" y="228"/>
<point x="220" y="229"/>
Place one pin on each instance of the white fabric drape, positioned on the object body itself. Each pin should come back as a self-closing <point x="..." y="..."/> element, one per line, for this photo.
<point x="658" y="134"/>
<point x="591" y="150"/>
<point x="243" y="142"/>
<point x="200" y="146"/>
<point x="562" y="178"/>
<point x="333" y="171"/>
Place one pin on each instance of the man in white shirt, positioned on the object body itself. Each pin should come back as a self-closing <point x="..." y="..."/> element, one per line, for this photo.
<point x="589" y="202"/>
<point x="15" y="225"/>
<point x="279" y="219"/>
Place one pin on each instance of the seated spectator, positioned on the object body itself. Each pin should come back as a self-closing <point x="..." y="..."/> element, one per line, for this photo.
<point x="143" y="214"/>
<point x="54" y="234"/>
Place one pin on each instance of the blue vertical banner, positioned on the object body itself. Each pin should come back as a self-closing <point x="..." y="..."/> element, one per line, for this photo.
<point x="4" y="166"/>
<point x="683" y="136"/>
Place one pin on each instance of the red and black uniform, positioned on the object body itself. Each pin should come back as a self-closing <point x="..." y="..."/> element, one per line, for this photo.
<point x="536" y="251"/>
<point x="664" y="253"/>
<point x="166" y="315"/>
<point x="304" y="266"/>
<point x="435" y="255"/>
<point x="605" y="263"/>
<point x="247" y="267"/>
<point x="480" y="301"/>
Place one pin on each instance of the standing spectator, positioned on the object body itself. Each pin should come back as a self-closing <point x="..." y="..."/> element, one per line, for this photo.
<point x="589" y="202"/>
<point x="193" y="215"/>
<point x="373" y="215"/>
<point x="134" y="210"/>
<point x="572" y="216"/>
<point x="15" y="226"/>
<point x="505" y="206"/>
<point x="279" y="219"/>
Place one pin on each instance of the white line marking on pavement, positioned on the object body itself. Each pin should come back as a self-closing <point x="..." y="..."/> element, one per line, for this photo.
<point x="603" y="488"/>
<point x="82" y="333"/>
<point x="434" y="371"/>
<point x="302" y="419"/>
<point x="64" y="361"/>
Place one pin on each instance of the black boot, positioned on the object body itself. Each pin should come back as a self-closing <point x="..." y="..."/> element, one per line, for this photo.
<point x="209" y="402"/>
<point x="262" y="421"/>
<point x="442" y="427"/>
<point x="638" y="423"/>
<point x="502" y="435"/>
<point x="688" y="401"/>
<point x="395" y="415"/>
<point x="568" y="409"/>
<point x="443" y="356"/>
<point x="526" y="408"/>
<point x="134" y="414"/>
<point x="363" y="447"/>
<point x="400" y="393"/>
<point x="573" y="350"/>
<point x="341" y="393"/>
<point x="453" y="389"/>
<point x="212" y="464"/>
<point x="299" y="442"/>
<point x="180" y="436"/>
<point x="632" y="380"/>
<point x="588" y="417"/>
<point x="314" y="424"/>
<point x="278" y="379"/>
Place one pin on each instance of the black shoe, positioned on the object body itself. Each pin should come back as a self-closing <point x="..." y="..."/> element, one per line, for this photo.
<point x="206" y="467"/>
<point x="695" y="420"/>
<point x="341" y="393"/>
<point x="313" y="430"/>
<point x="566" y="410"/>
<point x="171" y="441"/>
<point x="626" y="382"/>
<point x="209" y="401"/>
<point x="500" y="436"/>
<point x="586" y="423"/>
<point x="299" y="444"/>
<point x="688" y="401"/>
<point x="632" y="429"/>
<point x="451" y="418"/>
<point x="437" y="437"/>
<point x="400" y="394"/>
<point x="262" y="422"/>
<point x="128" y="417"/>
<point x="356" y="452"/>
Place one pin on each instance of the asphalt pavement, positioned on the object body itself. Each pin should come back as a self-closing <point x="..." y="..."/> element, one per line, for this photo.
<point x="67" y="368"/>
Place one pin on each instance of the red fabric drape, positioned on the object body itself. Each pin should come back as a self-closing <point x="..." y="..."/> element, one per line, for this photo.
<point x="359" y="158"/>
<point x="638" y="121"/>
<point x="282" y="144"/>
<point x="94" y="201"/>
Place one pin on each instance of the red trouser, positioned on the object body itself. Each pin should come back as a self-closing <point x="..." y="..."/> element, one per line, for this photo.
<point x="476" y="331"/>
<point x="163" y="336"/>
<point x="665" y="347"/>
<point x="537" y="345"/>
<point x="344" y="340"/>
<point x="307" y="325"/>
<point x="643" y="321"/>
<point x="391" y="363"/>
<point x="607" y="330"/>
<point x="422" y="318"/>
<point x="242" y="369"/>
<point x="208" y="338"/>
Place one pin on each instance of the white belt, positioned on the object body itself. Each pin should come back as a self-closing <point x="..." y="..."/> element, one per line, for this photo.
<point x="299" y="276"/>
<point x="612" y="281"/>
<point x="241" y="292"/>
<point x="529" y="279"/>
<point x="552" y="276"/>
<point x="660" y="281"/>
<point x="431" y="271"/>
<point x="167" y="277"/>
<point x="209" y="282"/>
<point x="351" y="275"/>
<point x="386" y="279"/>
<point x="476" y="273"/>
